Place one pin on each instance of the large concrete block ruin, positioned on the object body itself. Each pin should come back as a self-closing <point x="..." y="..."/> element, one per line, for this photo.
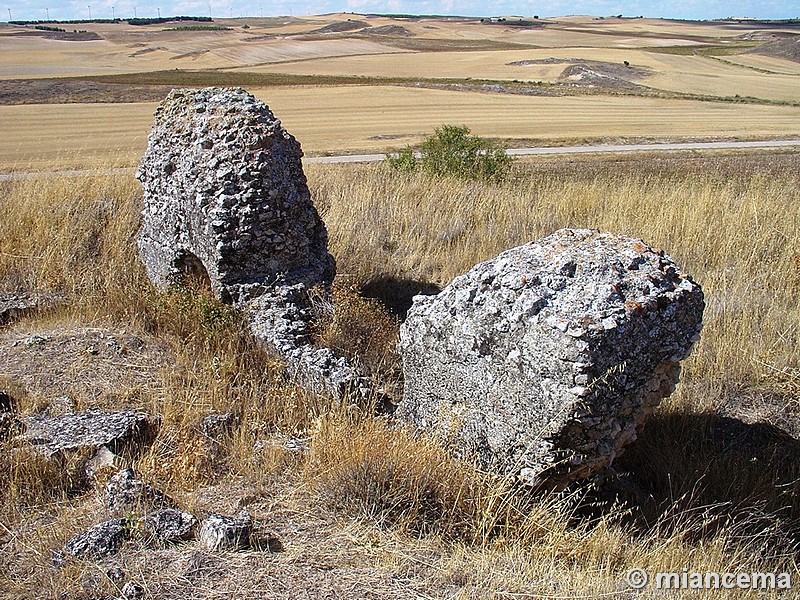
<point x="226" y="201"/>
<point x="542" y="362"/>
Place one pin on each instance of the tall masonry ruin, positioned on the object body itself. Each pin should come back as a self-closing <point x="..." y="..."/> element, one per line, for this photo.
<point x="541" y="363"/>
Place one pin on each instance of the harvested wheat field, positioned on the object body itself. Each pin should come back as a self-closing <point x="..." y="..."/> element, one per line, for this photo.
<point x="351" y="119"/>
<point x="195" y="403"/>
<point x="546" y="81"/>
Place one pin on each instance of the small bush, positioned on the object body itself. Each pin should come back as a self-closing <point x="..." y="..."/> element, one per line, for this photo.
<point x="451" y="151"/>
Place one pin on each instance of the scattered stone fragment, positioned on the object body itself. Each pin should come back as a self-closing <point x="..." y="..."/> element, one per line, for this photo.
<point x="16" y="305"/>
<point x="543" y="361"/>
<point x="36" y="340"/>
<point x="218" y="425"/>
<point x="293" y="444"/>
<point x="131" y="591"/>
<point x="121" y="431"/>
<point x="170" y="525"/>
<point x="219" y="533"/>
<point x="116" y="575"/>
<point x="125" y="492"/>
<point x="102" y="460"/>
<point x="63" y="405"/>
<point x="101" y="540"/>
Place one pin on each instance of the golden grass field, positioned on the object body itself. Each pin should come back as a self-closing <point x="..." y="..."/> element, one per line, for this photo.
<point x="682" y="81"/>
<point x="371" y="511"/>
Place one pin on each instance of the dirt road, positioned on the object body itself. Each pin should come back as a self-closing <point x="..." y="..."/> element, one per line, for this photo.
<point x="544" y="150"/>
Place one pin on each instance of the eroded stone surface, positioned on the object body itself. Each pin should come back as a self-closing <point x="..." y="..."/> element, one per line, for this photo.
<point x="218" y="532"/>
<point x="127" y="430"/>
<point x="126" y="492"/>
<point x="104" y="539"/>
<point x="226" y="201"/>
<point x="543" y="361"/>
<point x="225" y="194"/>
<point x="170" y="525"/>
<point x="20" y="304"/>
<point x="282" y="319"/>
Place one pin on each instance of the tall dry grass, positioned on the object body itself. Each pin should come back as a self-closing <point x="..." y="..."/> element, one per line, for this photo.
<point x="714" y="491"/>
<point x="731" y="222"/>
<point x="735" y="230"/>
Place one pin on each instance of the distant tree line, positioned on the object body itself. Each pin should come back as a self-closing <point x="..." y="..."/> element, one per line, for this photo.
<point x="160" y="20"/>
<point x="142" y="21"/>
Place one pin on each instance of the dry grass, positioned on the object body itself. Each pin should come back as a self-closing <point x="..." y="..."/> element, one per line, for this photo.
<point x="719" y="492"/>
<point x="738" y="235"/>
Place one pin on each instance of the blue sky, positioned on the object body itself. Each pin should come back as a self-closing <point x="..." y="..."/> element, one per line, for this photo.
<point x="680" y="9"/>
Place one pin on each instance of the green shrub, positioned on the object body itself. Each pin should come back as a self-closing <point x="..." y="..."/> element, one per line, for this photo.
<point x="403" y="161"/>
<point x="451" y="151"/>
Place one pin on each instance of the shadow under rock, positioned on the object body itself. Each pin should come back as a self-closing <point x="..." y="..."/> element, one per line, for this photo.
<point x="695" y="475"/>
<point x="397" y="293"/>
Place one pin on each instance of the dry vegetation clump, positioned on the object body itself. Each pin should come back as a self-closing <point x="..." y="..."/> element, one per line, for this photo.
<point x="362" y="330"/>
<point x="712" y="483"/>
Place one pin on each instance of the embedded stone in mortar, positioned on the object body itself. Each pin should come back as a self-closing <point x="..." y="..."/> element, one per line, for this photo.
<point x="544" y="361"/>
<point x="226" y="199"/>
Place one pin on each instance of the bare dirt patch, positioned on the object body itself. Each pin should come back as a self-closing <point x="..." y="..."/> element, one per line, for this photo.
<point x="65" y="91"/>
<point x="63" y="36"/>
<point x="453" y="45"/>
<point x="91" y="365"/>
<point x="620" y="71"/>
<point x="787" y="49"/>
<point x="341" y="26"/>
<point x="389" y="30"/>
<point x="312" y="554"/>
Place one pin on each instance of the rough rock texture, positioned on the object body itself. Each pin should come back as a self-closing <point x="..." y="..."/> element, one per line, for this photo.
<point x="101" y="540"/>
<point x="17" y="305"/>
<point x="119" y="432"/>
<point x="282" y="318"/>
<point x="225" y="533"/>
<point x="225" y="192"/>
<point x="102" y="460"/>
<point x="132" y="591"/>
<point x="543" y="361"/>
<point x="126" y="492"/>
<point x="226" y="201"/>
<point x="217" y="425"/>
<point x="170" y="525"/>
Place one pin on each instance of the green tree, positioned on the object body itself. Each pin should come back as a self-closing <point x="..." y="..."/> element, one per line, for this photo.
<point x="452" y="151"/>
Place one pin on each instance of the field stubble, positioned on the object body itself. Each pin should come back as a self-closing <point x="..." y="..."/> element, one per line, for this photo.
<point x="732" y="222"/>
<point x="341" y="119"/>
